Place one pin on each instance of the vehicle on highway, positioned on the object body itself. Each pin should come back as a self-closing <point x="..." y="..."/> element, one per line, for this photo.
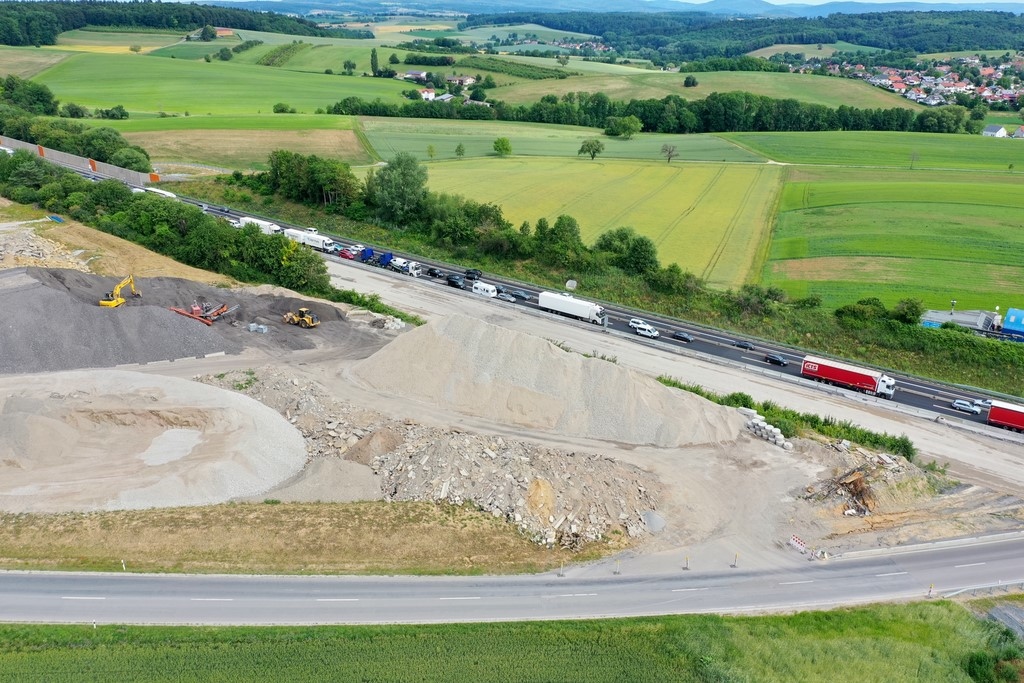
<point x="505" y="296"/>
<point x="520" y="294"/>
<point x="776" y="359"/>
<point x="646" y="330"/>
<point x="848" y="376"/>
<point x="484" y="289"/>
<point x="345" y="253"/>
<point x="473" y="274"/>
<point x="983" y="403"/>
<point x="682" y="336"/>
<point x="743" y="344"/>
<point x="636" y="322"/>
<point x="456" y="280"/>
<point x="435" y="272"/>
<point x="965" y="406"/>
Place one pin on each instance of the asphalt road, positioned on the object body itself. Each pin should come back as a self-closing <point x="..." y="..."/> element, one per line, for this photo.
<point x="148" y="599"/>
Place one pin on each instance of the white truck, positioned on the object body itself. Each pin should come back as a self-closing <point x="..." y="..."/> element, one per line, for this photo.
<point x="311" y="239"/>
<point x="406" y="266"/>
<point x="566" y="304"/>
<point x="266" y="227"/>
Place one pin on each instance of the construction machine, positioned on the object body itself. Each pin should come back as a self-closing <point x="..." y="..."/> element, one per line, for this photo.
<point x="114" y="299"/>
<point x="303" y="318"/>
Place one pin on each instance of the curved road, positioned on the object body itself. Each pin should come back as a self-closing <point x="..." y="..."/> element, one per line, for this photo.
<point x="592" y="592"/>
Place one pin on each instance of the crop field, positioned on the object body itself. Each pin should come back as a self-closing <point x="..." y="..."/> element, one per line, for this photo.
<point x="968" y="53"/>
<point x="483" y="34"/>
<point x="144" y="84"/>
<point x="391" y="135"/>
<point x="811" y="49"/>
<point x="27" y="62"/>
<point x="113" y="42"/>
<point x="948" y="236"/>
<point x="887" y="149"/>
<point x="644" y="84"/>
<point x="894" y="643"/>
<point x="194" y="49"/>
<point x="710" y="219"/>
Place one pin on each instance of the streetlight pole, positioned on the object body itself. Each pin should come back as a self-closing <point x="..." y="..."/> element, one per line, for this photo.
<point x="952" y="306"/>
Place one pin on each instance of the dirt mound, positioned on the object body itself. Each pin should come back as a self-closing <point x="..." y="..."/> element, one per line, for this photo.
<point x="513" y="378"/>
<point x="122" y="440"/>
<point x="53" y="322"/>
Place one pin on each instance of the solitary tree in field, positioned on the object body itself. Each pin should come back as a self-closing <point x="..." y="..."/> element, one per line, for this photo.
<point x="669" y="151"/>
<point x="393" y="59"/>
<point x="208" y="33"/>
<point x="374" y="63"/>
<point x="503" y="147"/>
<point x="690" y="82"/>
<point x="431" y="151"/>
<point x="136" y="49"/>
<point x="460" y="150"/>
<point x="349" y="66"/>
<point x="591" y="147"/>
<point x="562" y="59"/>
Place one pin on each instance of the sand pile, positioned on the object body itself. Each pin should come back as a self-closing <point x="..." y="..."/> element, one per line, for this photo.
<point x="509" y="377"/>
<point x="123" y="440"/>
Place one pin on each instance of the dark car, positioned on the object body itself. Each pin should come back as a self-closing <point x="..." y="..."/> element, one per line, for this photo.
<point x="683" y="336"/>
<point x="474" y="274"/>
<point x="519" y="294"/>
<point x="743" y="344"/>
<point x="435" y="272"/>
<point x="775" y="359"/>
<point x="456" y="281"/>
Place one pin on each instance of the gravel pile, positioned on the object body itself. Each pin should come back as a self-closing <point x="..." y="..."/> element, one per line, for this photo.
<point x="553" y="496"/>
<point x="513" y="378"/>
<point x="44" y="329"/>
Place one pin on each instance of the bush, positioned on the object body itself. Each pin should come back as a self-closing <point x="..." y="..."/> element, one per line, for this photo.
<point x="282" y="108"/>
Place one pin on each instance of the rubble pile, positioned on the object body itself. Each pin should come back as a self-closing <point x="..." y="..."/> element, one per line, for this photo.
<point x="553" y="496"/>
<point x="22" y="247"/>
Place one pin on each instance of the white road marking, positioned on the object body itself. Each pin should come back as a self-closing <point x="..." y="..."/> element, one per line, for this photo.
<point x="687" y="590"/>
<point x="794" y="583"/>
<point x="211" y="599"/>
<point x="973" y="564"/>
<point x="337" y="599"/>
<point x="470" y="598"/>
<point x="576" y="595"/>
<point x="892" y="574"/>
<point x="79" y="597"/>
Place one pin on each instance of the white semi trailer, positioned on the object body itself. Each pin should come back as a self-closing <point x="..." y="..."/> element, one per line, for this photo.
<point x="566" y="304"/>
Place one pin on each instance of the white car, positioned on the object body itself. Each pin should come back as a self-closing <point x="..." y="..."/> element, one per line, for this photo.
<point x="637" y="322"/>
<point x="965" y="406"/>
<point x="983" y="403"/>
<point x="645" y="330"/>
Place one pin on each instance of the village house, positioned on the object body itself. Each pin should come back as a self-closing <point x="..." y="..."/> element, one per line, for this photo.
<point x="427" y="94"/>
<point x="416" y="75"/>
<point x="994" y="132"/>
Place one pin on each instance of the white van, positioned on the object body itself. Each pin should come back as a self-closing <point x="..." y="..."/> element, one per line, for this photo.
<point x="485" y="289"/>
<point x="162" y="193"/>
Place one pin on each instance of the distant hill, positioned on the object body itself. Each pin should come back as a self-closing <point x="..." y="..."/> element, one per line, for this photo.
<point x="758" y="8"/>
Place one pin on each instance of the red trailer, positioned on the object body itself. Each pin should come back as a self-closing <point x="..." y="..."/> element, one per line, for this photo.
<point x="1006" y="415"/>
<point x="848" y="376"/>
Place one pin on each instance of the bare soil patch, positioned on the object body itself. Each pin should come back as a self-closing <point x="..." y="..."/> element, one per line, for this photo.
<point x="837" y="268"/>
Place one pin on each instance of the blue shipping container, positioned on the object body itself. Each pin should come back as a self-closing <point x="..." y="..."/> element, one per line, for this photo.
<point x="1013" y="321"/>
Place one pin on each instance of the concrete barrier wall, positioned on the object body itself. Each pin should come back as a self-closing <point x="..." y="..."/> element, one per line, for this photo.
<point x="85" y="164"/>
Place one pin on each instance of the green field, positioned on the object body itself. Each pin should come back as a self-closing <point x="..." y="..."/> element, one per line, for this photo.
<point x="634" y="83"/>
<point x="892" y="643"/>
<point x="885" y="149"/>
<point x="147" y="84"/>
<point x="841" y="234"/>
<point x="113" y="42"/>
<point x="811" y="49"/>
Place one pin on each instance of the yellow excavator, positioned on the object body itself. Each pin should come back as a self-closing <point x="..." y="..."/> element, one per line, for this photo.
<point x="114" y="299"/>
<point x="304" y="318"/>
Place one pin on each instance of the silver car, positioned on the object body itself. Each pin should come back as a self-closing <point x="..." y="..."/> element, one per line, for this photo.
<point x="965" y="406"/>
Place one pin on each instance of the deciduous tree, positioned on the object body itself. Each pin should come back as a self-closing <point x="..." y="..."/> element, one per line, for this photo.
<point x="669" y="151"/>
<point x="592" y="147"/>
<point x="503" y="147"/>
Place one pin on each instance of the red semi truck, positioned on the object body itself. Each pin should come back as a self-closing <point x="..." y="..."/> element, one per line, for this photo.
<point x="848" y="376"/>
<point x="1006" y="415"/>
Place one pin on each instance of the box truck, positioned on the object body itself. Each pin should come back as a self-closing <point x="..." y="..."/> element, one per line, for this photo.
<point x="266" y="227"/>
<point x="566" y="304"/>
<point x="848" y="376"/>
<point x="1006" y="415"/>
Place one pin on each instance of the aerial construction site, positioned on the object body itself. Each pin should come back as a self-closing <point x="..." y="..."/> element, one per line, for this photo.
<point x="197" y="391"/>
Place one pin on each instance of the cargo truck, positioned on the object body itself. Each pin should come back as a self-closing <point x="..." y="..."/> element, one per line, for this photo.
<point x="266" y="227"/>
<point x="848" y="376"/>
<point x="310" y="239"/>
<point x="405" y="266"/>
<point x="566" y="304"/>
<point x="1006" y="415"/>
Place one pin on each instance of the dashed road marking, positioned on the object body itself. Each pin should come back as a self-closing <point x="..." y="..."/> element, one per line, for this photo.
<point x="211" y="599"/>
<point x="687" y="590"/>
<point x="462" y="598"/>
<point x="794" y="583"/>
<point x="972" y="564"/>
<point x="892" y="574"/>
<point x="337" y="599"/>
<point x="80" y="597"/>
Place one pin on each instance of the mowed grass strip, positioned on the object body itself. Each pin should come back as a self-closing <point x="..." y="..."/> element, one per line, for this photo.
<point x="710" y="219"/>
<point x="887" y="149"/>
<point x="957" y="238"/>
<point x="811" y="49"/>
<point x="893" y="643"/>
<point x="115" y="42"/>
<point x="388" y="136"/>
<point x="148" y="84"/>
<point x="286" y="538"/>
<point x="27" y="62"/>
<point x="638" y="84"/>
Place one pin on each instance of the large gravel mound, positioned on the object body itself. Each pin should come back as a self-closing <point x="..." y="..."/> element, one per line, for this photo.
<point x="509" y="377"/>
<point x="52" y="321"/>
<point x="115" y="440"/>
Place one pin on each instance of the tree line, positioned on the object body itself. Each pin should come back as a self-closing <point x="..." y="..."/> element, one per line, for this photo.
<point x="39" y="23"/>
<point x="717" y="113"/>
<point x="674" y="37"/>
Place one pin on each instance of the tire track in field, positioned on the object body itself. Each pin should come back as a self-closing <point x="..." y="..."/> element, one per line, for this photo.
<point x="727" y="236"/>
<point x="629" y="209"/>
<point x="564" y="208"/>
<point x="663" y="235"/>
